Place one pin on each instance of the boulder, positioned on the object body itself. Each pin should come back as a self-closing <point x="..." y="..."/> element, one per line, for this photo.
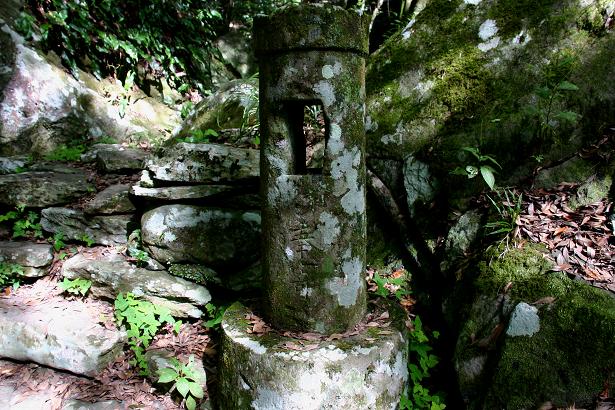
<point x="524" y="339"/>
<point x="62" y="334"/>
<point x="224" y="109"/>
<point x="112" y="200"/>
<point x="205" y="163"/>
<point x="34" y="258"/>
<point x="43" y="106"/>
<point x="86" y="405"/>
<point x="115" y="158"/>
<point x="510" y="80"/>
<point x="76" y="225"/>
<point x="112" y="274"/>
<point x="220" y="239"/>
<point x="33" y="188"/>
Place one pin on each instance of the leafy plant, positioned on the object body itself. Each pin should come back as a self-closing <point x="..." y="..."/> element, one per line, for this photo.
<point x="551" y="97"/>
<point x="186" y="108"/>
<point x="9" y="273"/>
<point x="129" y="82"/>
<point x="106" y="139"/>
<point x="250" y="122"/>
<point x="215" y="313"/>
<point x="185" y="380"/>
<point x="141" y="256"/>
<point x="57" y="241"/>
<point x="170" y="39"/>
<point x="135" y="248"/>
<point x="398" y="286"/>
<point x="25" y="224"/>
<point x="77" y="286"/>
<point x="199" y="136"/>
<point x="87" y="239"/>
<point x="421" y="362"/>
<point x="143" y="319"/>
<point x="482" y="165"/>
<point x="508" y="207"/>
<point x="66" y="153"/>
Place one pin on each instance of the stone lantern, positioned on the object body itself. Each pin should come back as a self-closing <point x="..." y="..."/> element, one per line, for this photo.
<point x="314" y="230"/>
<point x="314" y="223"/>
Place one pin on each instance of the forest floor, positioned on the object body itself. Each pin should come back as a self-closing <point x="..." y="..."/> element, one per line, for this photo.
<point x="579" y="241"/>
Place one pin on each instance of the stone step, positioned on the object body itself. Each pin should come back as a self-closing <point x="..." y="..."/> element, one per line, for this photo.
<point x="59" y="333"/>
<point x="111" y="274"/>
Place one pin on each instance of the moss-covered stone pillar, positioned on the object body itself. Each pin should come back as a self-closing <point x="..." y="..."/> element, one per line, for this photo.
<point x="314" y="223"/>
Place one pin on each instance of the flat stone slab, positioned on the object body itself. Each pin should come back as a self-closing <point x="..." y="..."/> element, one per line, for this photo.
<point x="174" y="193"/>
<point x="366" y="371"/>
<point x="186" y="162"/>
<point x="112" y="200"/>
<point x="35" y="258"/>
<point x="58" y="333"/>
<point x="111" y="274"/>
<point x="41" y="189"/>
<point x="74" y="224"/>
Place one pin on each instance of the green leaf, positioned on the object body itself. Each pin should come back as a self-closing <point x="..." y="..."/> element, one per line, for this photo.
<point x="167" y="374"/>
<point x="487" y="173"/>
<point x="196" y="390"/>
<point x="183" y="386"/>
<point x="567" y="86"/>
<point x="474" y="151"/>
<point x="459" y="171"/>
<point x="190" y="403"/>
<point x="543" y="92"/>
<point x="569" y="116"/>
<point x="491" y="159"/>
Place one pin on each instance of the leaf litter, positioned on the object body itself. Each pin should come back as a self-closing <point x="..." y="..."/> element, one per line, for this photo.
<point x="580" y="241"/>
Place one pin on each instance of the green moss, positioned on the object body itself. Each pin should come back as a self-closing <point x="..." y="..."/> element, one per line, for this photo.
<point x="464" y="84"/>
<point x="196" y="273"/>
<point x="592" y="191"/>
<point x="571" y="356"/>
<point x="514" y="15"/>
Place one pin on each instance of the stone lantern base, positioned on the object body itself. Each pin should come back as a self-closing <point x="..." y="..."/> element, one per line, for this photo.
<point x="268" y="372"/>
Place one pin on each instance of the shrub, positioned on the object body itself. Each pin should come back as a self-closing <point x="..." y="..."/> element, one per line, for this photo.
<point x="157" y="38"/>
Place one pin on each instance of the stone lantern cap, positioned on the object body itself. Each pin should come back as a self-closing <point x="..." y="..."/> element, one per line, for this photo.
<point x="311" y="27"/>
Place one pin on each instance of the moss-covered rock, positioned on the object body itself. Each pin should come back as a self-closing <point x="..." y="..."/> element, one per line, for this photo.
<point x="532" y="336"/>
<point x="224" y="109"/>
<point x="512" y="78"/>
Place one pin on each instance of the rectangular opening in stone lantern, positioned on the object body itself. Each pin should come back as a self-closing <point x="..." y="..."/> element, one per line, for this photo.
<point x="309" y="136"/>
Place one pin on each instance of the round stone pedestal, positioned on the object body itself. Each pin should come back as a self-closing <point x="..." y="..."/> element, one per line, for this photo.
<point x="268" y="372"/>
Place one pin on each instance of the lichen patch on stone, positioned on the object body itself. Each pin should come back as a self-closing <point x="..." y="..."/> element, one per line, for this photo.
<point x="524" y="321"/>
<point x="487" y="30"/>
<point x="489" y="44"/>
<point x="346" y="289"/>
<point x="325" y="91"/>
